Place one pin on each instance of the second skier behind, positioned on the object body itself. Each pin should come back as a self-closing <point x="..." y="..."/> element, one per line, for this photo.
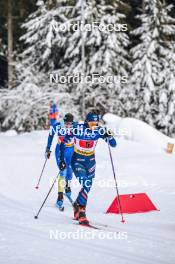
<point x="65" y="166"/>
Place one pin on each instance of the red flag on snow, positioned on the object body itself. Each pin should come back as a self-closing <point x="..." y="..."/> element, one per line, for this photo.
<point x="132" y="203"/>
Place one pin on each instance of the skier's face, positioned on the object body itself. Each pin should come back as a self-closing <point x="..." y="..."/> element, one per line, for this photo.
<point x="51" y="103"/>
<point x="92" y="125"/>
<point x="68" y="124"/>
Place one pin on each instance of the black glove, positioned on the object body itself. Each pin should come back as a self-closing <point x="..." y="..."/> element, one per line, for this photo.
<point x="47" y="154"/>
<point x="62" y="165"/>
<point x="108" y="134"/>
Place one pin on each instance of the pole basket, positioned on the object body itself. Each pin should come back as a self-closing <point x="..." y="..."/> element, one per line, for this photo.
<point x="132" y="203"/>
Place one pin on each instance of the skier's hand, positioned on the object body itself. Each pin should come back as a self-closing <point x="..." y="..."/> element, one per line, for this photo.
<point x="47" y="154"/>
<point x="108" y="133"/>
<point x="62" y="165"/>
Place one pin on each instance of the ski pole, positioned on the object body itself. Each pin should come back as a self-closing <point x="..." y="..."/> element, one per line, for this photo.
<point x="118" y="196"/>
<point x="36" y="216"/>
<point x="37" y="186"/>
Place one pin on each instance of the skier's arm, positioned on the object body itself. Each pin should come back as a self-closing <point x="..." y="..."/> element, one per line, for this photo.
<point x="69" y="135"/>
<point x="112" y="142"/>
<point x="51" y="136"/>
<point x="62" y="165"/>
<point x="52" y="132"/>
<point x="67" y="138"/>
<point x="62" y="148"/>
<point x="109" y="137"/>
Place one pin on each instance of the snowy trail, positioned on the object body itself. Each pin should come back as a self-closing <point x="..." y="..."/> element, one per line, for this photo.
<point x="150" y="236"/>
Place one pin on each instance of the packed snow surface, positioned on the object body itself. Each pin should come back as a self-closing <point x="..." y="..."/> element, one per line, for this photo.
<point x="145" y="238"/>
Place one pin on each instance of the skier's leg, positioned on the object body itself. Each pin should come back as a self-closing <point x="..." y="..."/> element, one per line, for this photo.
<point x="85" y="172"/>
<point x="68" y="176"/>
<point x="61" y="179"/>
<point x="82" y="200"/>
<point x="83" y="194"/>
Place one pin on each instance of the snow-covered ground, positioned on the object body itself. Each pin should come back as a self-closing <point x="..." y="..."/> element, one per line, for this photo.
<point x="144" y="238"/>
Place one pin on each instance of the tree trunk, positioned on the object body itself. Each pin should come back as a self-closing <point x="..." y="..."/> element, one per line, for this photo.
<point x="10" y="44"/>
<point x="22" y="8"/>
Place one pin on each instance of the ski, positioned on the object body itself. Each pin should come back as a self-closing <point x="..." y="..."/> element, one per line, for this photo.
<point x="88" y="226"/>
<point x="104" y="226"/>
<point x="99" y="226"/>
<point x="92" y="223"/>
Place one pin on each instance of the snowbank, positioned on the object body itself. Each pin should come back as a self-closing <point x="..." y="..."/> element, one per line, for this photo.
<point x="136" y="130"/>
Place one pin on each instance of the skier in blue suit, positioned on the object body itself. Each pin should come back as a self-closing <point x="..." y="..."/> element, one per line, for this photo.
<point x="65" y="168"/>
<point x="53" y="113"/>
<point x="83" y="162"/>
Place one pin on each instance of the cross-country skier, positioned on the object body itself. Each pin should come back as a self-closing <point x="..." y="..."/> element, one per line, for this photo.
<point x="83" y="160"/>
<point x="65" y="171"/>
<point x="53" y="113"/>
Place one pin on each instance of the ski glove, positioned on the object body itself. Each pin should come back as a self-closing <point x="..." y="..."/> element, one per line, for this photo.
<point x="62" y="165"/>
<point x="108" y="134"/>
<point x="47" y="154"/>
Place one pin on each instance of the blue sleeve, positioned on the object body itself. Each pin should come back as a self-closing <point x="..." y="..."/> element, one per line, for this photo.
<point x="67" y="138"/>
<point x="111" y="140"/>
<point x="55" y="109"/>
<point x="49" y="141"/>
<point x="62" y="148"/>
<point x="52" y="132"/>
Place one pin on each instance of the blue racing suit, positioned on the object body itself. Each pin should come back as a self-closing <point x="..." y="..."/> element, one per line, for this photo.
<point x="83" y="159"/>
<point x="59" y="129"/>
<point x="53" y="114"/>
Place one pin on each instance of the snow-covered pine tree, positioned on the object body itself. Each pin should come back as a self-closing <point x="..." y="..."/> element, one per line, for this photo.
<point x="105" y="53"/>
<point x="25" y="107"/>
<point x="110" y="58"/>
<point x="44" y="46"/>
<point x="171" y="96"/>
<point x="27" y="104"/>
<point x="166" y="94"/>
<point x="152" y="57"/>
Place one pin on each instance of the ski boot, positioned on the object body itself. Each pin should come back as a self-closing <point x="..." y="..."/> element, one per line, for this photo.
<point x="59" y="202"/>
<point x="76" y="210"/>
<point x="68" y="191"/>
<point x="82" y="216"/>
